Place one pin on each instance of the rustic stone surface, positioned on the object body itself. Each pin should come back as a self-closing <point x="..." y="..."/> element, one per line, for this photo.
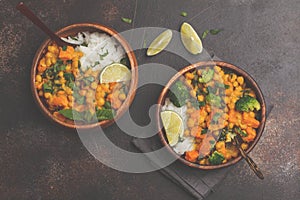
<point x="39" y="160"/>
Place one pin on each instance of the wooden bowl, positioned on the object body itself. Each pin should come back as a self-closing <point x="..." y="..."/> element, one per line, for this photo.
<point x="250" y="82"/>
<point x="72" y="30"/>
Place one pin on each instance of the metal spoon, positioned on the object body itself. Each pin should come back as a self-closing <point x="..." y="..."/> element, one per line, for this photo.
<point x="249" y="160"/>
<point x="34" y="19"/>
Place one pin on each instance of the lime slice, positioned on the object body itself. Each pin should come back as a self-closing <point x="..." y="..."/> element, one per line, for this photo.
<point x="190" y="39"/>
<point x="159" y="43"/>
<point x="173" y="125"/>
<point x="115" y="72"/>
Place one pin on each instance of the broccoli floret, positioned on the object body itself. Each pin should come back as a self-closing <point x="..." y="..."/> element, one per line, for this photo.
<point x="206" y="76"/>
<point x="247" y="103"/>
<point x="216" y="158"/>
<point x="178" y="94"/>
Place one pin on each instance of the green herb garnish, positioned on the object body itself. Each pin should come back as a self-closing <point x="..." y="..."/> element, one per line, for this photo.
<point x="105" y="114"/>
<point x="124" y="61"/>
<point x="47" y="88"/>
<point x="64" y="48"/>
<point x="126" y="20"/>
<point x="204" y="34"/>
<point x="72" y="114"/>
<point x="103" y="55"/>
<point x="204" y="131"/>
<point x="183" y="14"/>
<point x="215" y="31"/>
<point x="216" y="117"/>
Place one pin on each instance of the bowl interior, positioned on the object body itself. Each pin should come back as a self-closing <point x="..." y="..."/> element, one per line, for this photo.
<point x="250" y="82"/>
<point x="72" y="30"/>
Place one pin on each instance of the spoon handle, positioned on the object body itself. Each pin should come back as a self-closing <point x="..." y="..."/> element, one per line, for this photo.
<point x="34" y="19"/>
<point x="249" y="160"/>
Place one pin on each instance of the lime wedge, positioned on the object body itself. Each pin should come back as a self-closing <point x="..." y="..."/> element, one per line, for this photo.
<point x="159" y="43"/>
<point x="190" y="39"/>
<point x="173" y="125"/>
<point x="115" y="72"/>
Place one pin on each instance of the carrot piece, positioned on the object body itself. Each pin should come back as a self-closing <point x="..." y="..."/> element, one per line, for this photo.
<point x="67" y="54"/>
<point x="250" y="121"/>
<point x="191" y="155"/>
<point x="251" y="134"/>
<point x="59" y="101"/>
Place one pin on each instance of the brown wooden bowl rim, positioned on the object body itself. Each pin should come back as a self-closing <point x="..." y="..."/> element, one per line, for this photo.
<point x="222" y="64"/>
<point x="133" y="65"/>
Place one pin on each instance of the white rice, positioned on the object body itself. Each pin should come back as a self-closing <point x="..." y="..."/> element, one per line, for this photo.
<point x="99" y="50"/>
<point x="185" y="143"/>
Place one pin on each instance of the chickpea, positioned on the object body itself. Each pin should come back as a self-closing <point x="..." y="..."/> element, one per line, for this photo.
<point x="226" y="99"/>
<point x="243" y="126"/>
<point x="89" y="94"/>
<point x="204" y="113"/>
<point x="122" y="96"/>
<point x="239" y="88"/>
<point x="70" y="104"/>
<point x="220" y="145"/>
<point x="188" y="104"/>
<point x="47" y="95"/>
<point x="63" y="81"/>
<point x="61" y="92"/>
<point x="68" y="91"/>
<point x="53" y="60"/>
<point x="94" y="85"/>
<point x="226" y="116"/>
<point x="98" y="95"/>
<point x="189" y="75"/>
<point x="244" y="146"/>
<point x="233" y="78"/>
<point x="228" y="91"/>
<point x="61" y="74"/>
<point x="208" y="109"/>
<point x="240" y="80"/>
<point x="101" y="102"/>
<point x="226" y="109"/>
<point x="231" y="106"/>
<point x="217" y="68"/>
<point x="252" y="114"/>
<point x="199" y="72"/>
<point x="189" y="111"/>
<point x="235" y="84"/>
<point x="82" y="92"/>
<point x="48" y="62"/>
<point x="193" y="93"/>
<point x="190" y="123"/>
<point x="231" y="125"/>
<point x="226" y="77"/>
<point x="188" y="82"/>
<point x="43" y="62"/>
<point x="235" y="153"/>
<point x="50" y="49"/>
<point x="38" y="78"/>
<point x="234" y="99"/>
<point x="70" y="97"/>
<point x="75" y="64"/>
<point x="41" y="93"/>
<point x="202" y="162"/>
<point x="68" y="68"/>
<point x="221" y="73"/>
<point x="227" y="156"/>
<point x="200" y="97"/>
<point x="49" y="55"/>
<point x="186" y="132"/>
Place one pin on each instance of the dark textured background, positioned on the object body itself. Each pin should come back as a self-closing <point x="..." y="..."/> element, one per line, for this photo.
<point x="39" y="160"/>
